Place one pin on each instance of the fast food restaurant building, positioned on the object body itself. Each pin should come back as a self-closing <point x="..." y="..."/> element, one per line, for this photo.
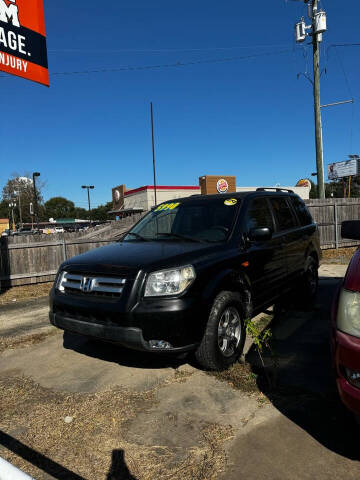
<point x="129" y="201"/>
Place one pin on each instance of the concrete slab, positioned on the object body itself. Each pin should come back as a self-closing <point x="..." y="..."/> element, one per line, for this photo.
<point x="24" y="317"/>
<point x="281" y="450"/>
<point x="78" y="365"/>
<point x="184" y="408"/>
<point x="301" y="432"/>
<point x="332" y="271"/>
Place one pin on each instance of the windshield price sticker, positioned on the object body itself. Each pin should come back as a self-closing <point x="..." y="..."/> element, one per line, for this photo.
<point x="166" y="206"/>
<point x="230" y="202"/>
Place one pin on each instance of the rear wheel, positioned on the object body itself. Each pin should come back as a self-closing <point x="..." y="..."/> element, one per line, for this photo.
<point x="224" y="336"/>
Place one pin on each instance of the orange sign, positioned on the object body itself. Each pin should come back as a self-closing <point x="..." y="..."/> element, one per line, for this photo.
<point x="23" y="40"/>
<point x="304" y="182"/>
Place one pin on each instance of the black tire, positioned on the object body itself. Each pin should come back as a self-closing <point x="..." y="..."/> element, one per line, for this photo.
<point x="212" y="356"/>
<point x="309" y="282"/>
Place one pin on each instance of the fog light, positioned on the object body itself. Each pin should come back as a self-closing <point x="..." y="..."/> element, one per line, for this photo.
<point x="353" y="377"/>
<point x="160" y="344"/>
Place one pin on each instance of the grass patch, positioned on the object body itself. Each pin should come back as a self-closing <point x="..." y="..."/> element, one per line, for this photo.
<point x="25" y="292"/>
<point x="339" y="256"/>
<point x="238" y="376"/>
<point x="87" y="434"/>
<point x="26" y="341"/>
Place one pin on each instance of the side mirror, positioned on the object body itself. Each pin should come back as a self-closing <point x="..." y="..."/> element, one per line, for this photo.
<point x="260" y="234"/>
<point x="351" y="229"/>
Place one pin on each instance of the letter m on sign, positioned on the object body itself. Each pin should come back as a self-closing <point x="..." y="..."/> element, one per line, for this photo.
<point x="9" y="13"/>
<point x="23" y="40"/>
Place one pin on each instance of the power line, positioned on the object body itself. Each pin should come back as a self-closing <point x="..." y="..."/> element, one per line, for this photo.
<point x="168" y="65"/>
<point x="172" y="65"/>
<point x="343" y="45"/>
<point x="352" y="119"/>
<point x="344" y="72"/>
<point x="164" y="50"/>
<point x="335" y="45"/>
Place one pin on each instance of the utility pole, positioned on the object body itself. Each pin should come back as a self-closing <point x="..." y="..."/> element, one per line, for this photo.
<point x="153" y="148"/>
<point x="318" y="27"/>
<point x="317" y="106"/>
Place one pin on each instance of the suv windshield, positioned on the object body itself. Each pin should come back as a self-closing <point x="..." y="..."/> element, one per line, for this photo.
<point x="201" y="221"/>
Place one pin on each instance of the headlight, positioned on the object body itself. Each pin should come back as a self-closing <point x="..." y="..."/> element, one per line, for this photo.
<point x="169" y="282"/>
<point x="59" y="281"/>
<point x="348" y="317"/>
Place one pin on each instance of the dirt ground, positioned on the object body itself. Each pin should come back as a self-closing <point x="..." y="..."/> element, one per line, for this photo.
<point x="25" y="292"/>
<point x="340" y="256"/>
<point x="88" y="433"/>
<point x="76" y="409"/>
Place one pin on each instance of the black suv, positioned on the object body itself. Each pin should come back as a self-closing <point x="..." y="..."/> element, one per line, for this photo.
<point x="190" y="274"/>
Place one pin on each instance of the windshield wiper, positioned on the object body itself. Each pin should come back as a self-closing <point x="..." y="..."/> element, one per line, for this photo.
<point x="140" y="237"/>
<point x="182" y="237"/>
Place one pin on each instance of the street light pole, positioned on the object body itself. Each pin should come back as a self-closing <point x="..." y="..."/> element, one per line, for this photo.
<point x="34" y="175"/>
<point x="88" y="187"/>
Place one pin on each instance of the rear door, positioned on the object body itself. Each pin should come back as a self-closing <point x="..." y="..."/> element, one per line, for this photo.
<point x="288" y="229"/>
<point x="307" y="230"/>
<point x="267" y="265"/>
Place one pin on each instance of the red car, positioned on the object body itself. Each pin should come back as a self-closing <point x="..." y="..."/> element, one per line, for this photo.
<point x="346" y="327"/>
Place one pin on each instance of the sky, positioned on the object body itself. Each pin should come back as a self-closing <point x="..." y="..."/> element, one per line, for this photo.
<point x="224" y="85"/>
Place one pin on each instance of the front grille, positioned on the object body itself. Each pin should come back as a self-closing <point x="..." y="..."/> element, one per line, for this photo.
<point x="91" y="285"/>
<point x="96" y="318"/>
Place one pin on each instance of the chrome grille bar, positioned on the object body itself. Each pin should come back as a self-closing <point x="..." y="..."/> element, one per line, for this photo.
<point x="90" y="284"/>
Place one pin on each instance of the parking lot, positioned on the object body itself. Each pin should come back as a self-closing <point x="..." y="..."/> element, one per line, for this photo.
<point x="74" y="408"/>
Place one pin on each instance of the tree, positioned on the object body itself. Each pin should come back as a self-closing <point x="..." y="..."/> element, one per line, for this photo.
<point x="19" y="189"/>
<point x="100" y="213"/>
<point x="314" y="190"/>
<point x="59" y="207"/>
<point x="4" y="209"/>
<point x="336" y="188"/>
<point x="81" y="213"/>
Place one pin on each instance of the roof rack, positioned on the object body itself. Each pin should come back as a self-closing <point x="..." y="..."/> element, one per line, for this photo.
<point x="264" y="189"/>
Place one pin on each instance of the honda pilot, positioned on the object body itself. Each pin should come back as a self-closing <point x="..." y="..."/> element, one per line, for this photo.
<point x="191" y="273"/>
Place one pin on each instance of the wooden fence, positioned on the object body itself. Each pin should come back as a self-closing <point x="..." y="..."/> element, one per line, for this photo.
<point x="36" y="258"/>
<point x="329" y="214"/>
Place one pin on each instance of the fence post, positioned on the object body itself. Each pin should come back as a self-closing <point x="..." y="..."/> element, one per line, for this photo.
<point x="336" y="227"/>
<point x="64" y="248"/>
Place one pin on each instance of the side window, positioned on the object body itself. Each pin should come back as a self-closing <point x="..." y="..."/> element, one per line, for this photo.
<point x="259" y="215"/>
<point x="284" y="217"/>
<point x="302" y="211"/>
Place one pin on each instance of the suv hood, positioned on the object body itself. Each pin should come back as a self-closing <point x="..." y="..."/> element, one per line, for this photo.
<point x="130" y="257"/>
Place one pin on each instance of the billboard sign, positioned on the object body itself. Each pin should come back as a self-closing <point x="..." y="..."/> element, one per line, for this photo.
<point x="23" y="40"/>
<point x="342" y="169"/>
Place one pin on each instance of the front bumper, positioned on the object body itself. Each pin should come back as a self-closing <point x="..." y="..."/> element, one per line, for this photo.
<point x="130" y="337"/>
<point x="346" y="350"/>
<point x="178" y="321"/>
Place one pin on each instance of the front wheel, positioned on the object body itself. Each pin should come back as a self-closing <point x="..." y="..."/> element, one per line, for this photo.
<point x="224" y="337"/>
